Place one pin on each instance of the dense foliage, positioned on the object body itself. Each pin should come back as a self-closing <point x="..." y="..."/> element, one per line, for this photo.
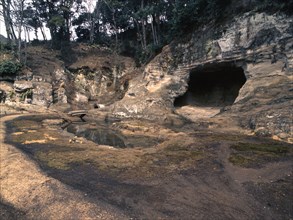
<point x="138" y="28"/>
<point x="9" y="67"/>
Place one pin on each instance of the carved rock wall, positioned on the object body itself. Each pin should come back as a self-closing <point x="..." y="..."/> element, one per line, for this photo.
<point x="261" y="44"/>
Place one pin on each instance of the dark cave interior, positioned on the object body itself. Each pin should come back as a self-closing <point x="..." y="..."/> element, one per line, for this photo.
<point x="213" y="85"/>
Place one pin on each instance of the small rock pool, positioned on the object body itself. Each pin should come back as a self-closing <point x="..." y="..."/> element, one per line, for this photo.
<point x="104" y="135"/>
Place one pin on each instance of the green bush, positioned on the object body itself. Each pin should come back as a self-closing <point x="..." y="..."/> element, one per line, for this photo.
<point x="9" y="67"/>
<point x="27" y="94"/>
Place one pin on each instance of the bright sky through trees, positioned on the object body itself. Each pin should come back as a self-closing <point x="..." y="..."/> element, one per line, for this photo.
<point x="2" y="25"/>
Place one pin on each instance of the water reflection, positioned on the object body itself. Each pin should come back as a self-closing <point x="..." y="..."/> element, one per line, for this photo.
<point x="104" y="135"/>
<point x="99" y="135"/>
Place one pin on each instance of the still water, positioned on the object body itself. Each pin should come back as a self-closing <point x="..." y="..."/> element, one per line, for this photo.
<point x="104" y="135"/>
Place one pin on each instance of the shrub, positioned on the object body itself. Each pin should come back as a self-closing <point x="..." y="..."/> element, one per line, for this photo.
<point x="9" y="67"/>
<point x="27" y="94"/>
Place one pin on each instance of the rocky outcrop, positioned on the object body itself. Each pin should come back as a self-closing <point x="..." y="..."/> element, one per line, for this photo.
<point x="260" y="44"/>
<point x="100" y="77"/>
<point x="42" y="94"/>
<point x="59" y="85"/>
<point x="32" y="92"/>
<point x="22" y="86"/>
<point x="88" y="74"/>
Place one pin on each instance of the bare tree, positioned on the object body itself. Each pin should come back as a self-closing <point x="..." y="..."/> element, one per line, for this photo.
<point x="93" y="10"/>
<point x="6" y="6"/>
<point x="143" y="23"/>
<point x="110" y="5"/>
<point x="18" y="6"/>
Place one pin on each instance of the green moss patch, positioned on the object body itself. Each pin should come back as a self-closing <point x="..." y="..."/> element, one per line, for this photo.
<point x="169" y="157"/>
<point x="257" y="154"/>
<point x="271" y="148"/>
<point x="61" y="157"/>
<point x="26" y="124"/>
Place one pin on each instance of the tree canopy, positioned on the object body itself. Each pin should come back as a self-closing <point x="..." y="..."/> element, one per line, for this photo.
<point x="137" y="28"/>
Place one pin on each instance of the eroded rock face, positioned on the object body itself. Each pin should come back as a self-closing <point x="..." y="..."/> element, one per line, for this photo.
<point x="42" y="94"/>
<point x="101" y="77"/>
<point x="88" y="74"/>
<point x="60" y="84"/>
<point x="22" y="86"/>
<point x="260" y="44"/>
<point x="28" y="92"/>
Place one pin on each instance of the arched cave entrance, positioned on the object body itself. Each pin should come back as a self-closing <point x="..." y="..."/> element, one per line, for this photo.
<point x="212" y="85"/>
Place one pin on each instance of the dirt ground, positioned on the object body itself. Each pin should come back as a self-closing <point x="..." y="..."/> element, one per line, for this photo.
<point x="195" y="171"/>
<point x="36" y="195"/>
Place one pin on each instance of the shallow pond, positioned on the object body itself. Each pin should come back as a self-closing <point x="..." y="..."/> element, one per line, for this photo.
<point x="104" y="135"/>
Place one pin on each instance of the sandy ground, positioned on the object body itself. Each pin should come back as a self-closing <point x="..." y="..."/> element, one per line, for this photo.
<point x="149" y="183"/>
<point x="38" y="196"/>
<point x="194" y="113"/>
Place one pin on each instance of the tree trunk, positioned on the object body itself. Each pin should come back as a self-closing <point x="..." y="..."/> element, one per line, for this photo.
<point x="139" y="34"/>
<point x="154" y="32"/>
<point x="21" y="6"/>
<point x="143" y="34"/>
<point x="93" y="18"/>
<point x="36" y="33"/>
<point x="27" y="34"/>
<point x="43" y="33"/>
<point x="7" y="20"/>
<point x="143" y="27"/>
<point x="92" y="29"/>
<point x="157" y="20"/>
<point x="116" y="30"/>
<point x="12" y="30"/>
<point x="25" y="46"/>
<point x="115" y="72"/>
<point x="10" y="23"/>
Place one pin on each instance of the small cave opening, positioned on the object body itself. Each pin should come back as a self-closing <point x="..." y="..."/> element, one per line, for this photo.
<point x="212" y="85"/>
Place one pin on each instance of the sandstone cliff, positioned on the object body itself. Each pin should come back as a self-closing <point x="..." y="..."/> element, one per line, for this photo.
<point x="80" y="77"/>
<point x="241" y="68"/>
<point x="259" y="44"/>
